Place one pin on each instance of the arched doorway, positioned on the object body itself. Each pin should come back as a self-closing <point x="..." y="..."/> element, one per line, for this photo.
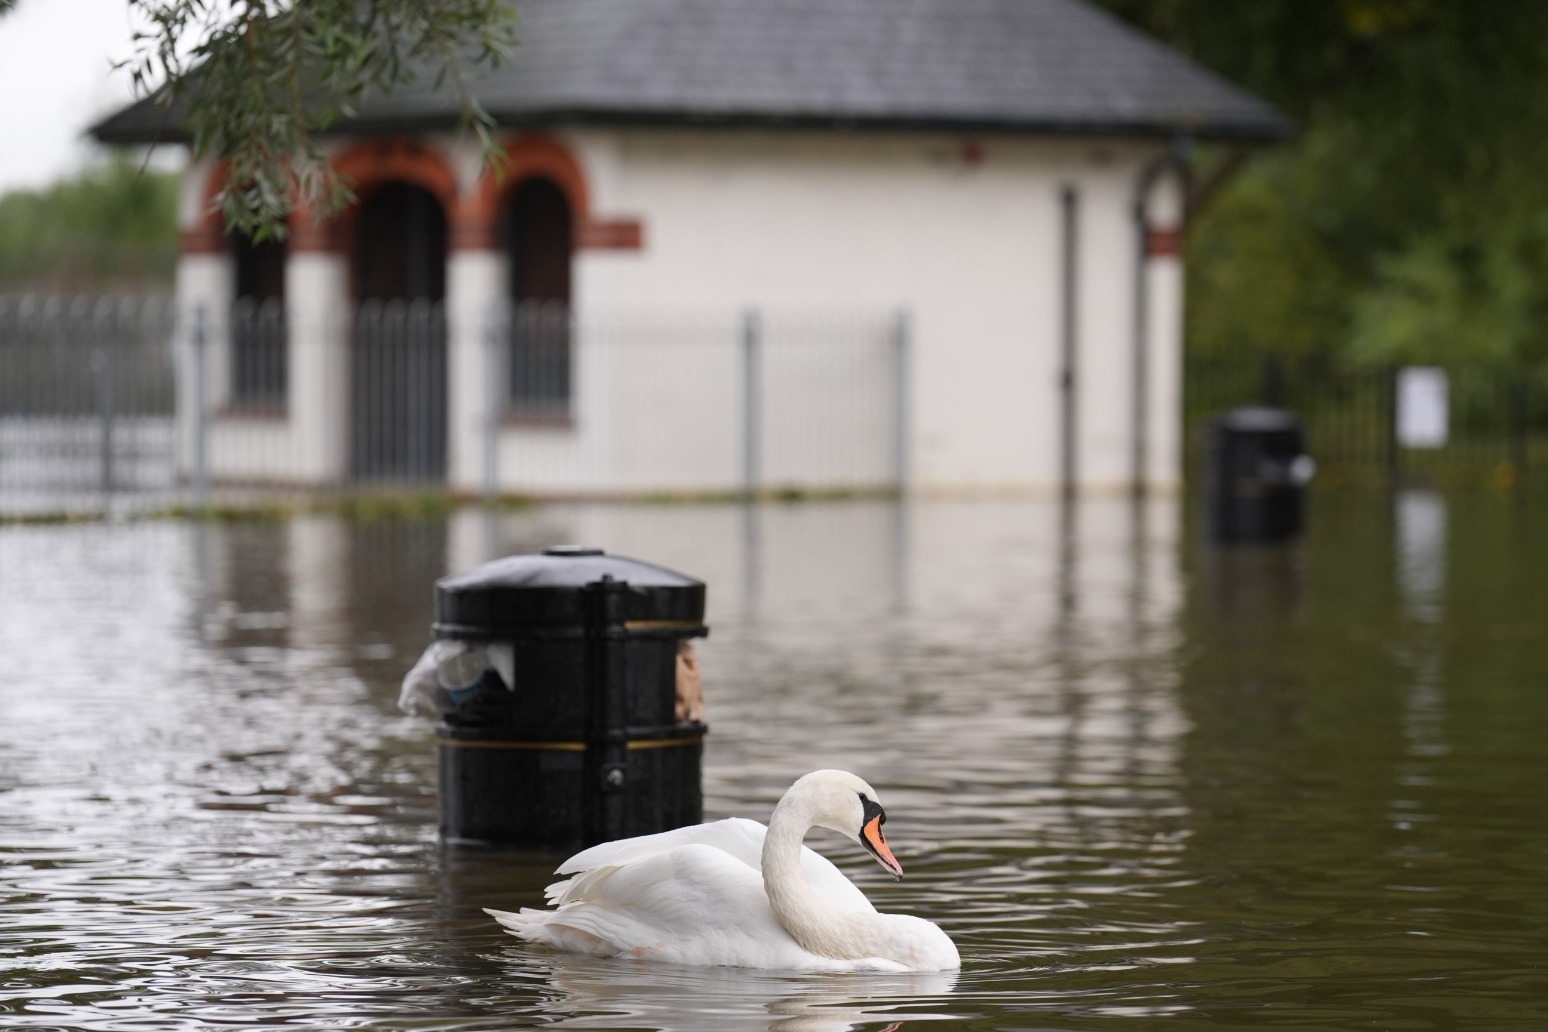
<point x="539" y="243"/>
<point x="399" y="358"/>
<point x="260" y="373"/>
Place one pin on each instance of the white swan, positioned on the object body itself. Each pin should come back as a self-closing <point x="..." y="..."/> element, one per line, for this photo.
<point x="733" y="893"/>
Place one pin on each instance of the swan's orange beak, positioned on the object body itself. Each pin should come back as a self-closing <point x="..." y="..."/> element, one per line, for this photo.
<point x="872" y="838"/>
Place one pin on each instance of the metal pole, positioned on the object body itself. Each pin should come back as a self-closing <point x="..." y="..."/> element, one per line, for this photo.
<point x="902" y="346"/>
<point x="494" y="394"/>
<point x="409" y="366"/>
<point x="1389" y="384"/>
<point x="201" y="470"/>
<point x="1139" y="443"/>
<point x="105" y="393"/>
<point x="752" y="334"/>
<point x="1069" y="203"/>
<point x="1273" y="391"/>
<point x="1517" y="386"/>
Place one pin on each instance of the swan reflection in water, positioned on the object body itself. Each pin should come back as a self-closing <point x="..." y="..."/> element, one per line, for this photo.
<point x="600" y="993"/>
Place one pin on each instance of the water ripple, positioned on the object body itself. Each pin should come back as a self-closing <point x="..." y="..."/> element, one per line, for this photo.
<point x="1130" y="797"/>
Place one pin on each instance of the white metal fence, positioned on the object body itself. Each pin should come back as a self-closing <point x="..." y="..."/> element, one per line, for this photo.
<point x="116" y="402"/>
<point x="86" y="401"/>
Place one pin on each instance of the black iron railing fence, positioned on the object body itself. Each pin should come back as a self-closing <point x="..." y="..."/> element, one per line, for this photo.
<point x="1494" y="418"/>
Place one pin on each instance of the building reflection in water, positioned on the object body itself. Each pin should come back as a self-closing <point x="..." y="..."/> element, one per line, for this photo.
<point x="1419" y="516"/>
<point x="1419" y="541"/>
<point x="321" y="592"/>
<point x="1044" y="562"/>
<point x="1020" y="653"/>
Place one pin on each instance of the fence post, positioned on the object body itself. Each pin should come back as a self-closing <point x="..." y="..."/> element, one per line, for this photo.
<point x="1518" y="432"/>
<point x="752" y="338"/>
<point x="201" y="470"/>
<point x="494" y="395"/>
<point x="902" y="415"/>
<point x="1069" y="328"/>
<point x="102" y="319"/>
<point x="1273" y="388"/>
<point x="1394" y="448"/>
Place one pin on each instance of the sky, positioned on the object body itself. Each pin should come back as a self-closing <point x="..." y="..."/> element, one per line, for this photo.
<point x="56" y="79"/>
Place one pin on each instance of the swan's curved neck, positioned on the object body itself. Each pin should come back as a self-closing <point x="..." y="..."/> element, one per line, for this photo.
<point x="806" y="916"/>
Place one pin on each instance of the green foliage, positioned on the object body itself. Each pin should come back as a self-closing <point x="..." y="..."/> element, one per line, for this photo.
<point x="113" y="226"/>
<point x="1408" y="220"/>
<point x="257" y="80"/>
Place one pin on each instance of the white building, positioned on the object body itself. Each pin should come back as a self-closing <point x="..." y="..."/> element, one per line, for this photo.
<point x="1008" y="174"/>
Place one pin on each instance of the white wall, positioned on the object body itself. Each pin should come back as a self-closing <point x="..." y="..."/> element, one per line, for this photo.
<point x="475" y="288"/>
<point x="309" y="446"/>
<point x="1165" y="342"/>
<point x="964" y="233"/>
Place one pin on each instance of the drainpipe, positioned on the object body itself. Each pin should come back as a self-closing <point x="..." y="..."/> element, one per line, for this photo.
<point x="1069" y="394"/>
<point x="1175" y="159"/>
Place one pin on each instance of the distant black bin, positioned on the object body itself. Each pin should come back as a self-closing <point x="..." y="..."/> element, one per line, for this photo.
<point x="1256" y="471"/>
<point x="583" y="745"/>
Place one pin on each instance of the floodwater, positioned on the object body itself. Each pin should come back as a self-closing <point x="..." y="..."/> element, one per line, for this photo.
<point x="1142" y="782"/>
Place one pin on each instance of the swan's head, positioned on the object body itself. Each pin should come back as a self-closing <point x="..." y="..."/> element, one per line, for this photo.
<point x="841" y="802"/>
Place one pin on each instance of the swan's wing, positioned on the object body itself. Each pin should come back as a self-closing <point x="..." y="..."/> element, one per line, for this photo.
<point x="692" y="904"/>
<point x="737" y="837"/>
<point x="689" y="896"/>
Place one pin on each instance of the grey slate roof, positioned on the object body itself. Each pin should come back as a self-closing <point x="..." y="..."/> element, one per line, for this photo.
<point x="1038" y="66"/>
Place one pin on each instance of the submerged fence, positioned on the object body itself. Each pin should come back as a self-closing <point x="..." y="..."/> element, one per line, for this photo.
<point x="86" y="400"/>
<point x="1462" y="423"/>
<point x="131" y="403"/>
<point x="127" y="403"/>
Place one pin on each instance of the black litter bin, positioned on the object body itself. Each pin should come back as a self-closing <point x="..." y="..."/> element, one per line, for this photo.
<point x="1256" y="471"/>
<point x="565" y="729"/>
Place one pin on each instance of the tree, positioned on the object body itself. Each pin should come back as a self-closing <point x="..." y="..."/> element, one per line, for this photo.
<point x="257" y="80"/>
<point x="1407" y="221"/>
<point x="112" y="226"/>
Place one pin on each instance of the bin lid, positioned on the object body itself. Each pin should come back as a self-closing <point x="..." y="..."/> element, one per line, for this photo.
<point x="545" y="591"/>
<point x="1257" y="419"/>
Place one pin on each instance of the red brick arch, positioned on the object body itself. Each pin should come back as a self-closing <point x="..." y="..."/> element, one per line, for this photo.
<point x="473" y="217"/>
<point x="525" y="157"/>
<point x="530" y="156"/>
<point x="208" y="235"/>
<point x="372" y="163"/>
<point x="367" y="166"/>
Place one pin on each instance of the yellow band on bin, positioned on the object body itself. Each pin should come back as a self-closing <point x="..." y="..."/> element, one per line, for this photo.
<point x="498" y="743"/>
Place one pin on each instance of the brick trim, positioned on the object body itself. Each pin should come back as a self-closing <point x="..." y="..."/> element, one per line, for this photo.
<point x="369" y="165"/>
<point x="610" y="235"/>
<point x="529" y="156"/>
<point x="1163" y="242"/>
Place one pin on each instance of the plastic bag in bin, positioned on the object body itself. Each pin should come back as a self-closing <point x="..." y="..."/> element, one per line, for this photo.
<point x="449" y="673"/>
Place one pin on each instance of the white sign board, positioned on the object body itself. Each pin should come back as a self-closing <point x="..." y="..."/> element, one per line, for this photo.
<point x="1422" y="398"/>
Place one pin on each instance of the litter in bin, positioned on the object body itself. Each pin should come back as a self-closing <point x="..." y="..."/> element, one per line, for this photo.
<point x="449" y="673"/>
